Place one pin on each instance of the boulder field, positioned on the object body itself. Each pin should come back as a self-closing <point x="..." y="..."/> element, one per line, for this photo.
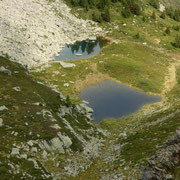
<point x="32" y="32"/>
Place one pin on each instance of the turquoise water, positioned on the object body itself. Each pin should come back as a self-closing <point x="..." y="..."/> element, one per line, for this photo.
<point x="86" y="49"/>
<point x="113" y="100"/>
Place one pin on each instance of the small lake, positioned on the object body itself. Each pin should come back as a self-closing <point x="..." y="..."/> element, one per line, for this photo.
<point x="113" y="100"/>
<point x="81" y="49"/>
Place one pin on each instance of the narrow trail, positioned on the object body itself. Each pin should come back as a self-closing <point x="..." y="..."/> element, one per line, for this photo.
<point x="170" y="79"/>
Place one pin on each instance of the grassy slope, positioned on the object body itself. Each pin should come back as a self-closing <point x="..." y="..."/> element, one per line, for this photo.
<point x="143" y="67"/>
<point x="130" y="62"/>
<point x="21" y="110"/>
<point x="145" y="132"/>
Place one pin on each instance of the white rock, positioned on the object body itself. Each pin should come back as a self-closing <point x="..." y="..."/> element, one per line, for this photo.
<point x="15" y="133"/>
<point x="66" y="85"/>
<point x="56" y="72"/>
<point x="15" y="151"/>
<point x="115" y="42"/>
<point x="11" y="165"/>
<point x="67" y="141"/>
<point x="78" y="54"/>
<point x="67" y="65"/>
<point x="44" y="154"/>
<point x="34" y="149"/>
<point x="36" y="103"/>
<point x="30" y="143"/>
<point x="55" y="126"/>
<point x="17" y="89"/>
<point x="123" y="134"/>
<point x="57" y="145"/>
<point x="4" y="70"/>
<point x="1" y="122"/>
<point x="2" y="108"/>
<point x="162" y="7"/>
<point x="23" y="156"/>
<point x="85" y="102"/>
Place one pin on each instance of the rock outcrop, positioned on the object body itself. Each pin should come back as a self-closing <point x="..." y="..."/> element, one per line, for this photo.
<point x="162" y="165"/>
<point x="4" y="70"/>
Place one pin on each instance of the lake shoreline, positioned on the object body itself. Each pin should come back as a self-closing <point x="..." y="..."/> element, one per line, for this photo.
<point x="110" y="99"/>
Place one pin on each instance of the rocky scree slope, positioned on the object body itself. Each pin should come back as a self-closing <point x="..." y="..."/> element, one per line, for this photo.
<point x="172" y="3"/>
<point x="40" y="129"/>
<point x="162" y="165"/>
<point x="31" y="32"/>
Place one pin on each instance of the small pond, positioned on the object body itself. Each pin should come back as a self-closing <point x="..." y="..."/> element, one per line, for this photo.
<point x="113" y="100"/>
<point x="81" y="49"/>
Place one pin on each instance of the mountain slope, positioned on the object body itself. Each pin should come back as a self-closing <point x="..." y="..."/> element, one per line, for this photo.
<point x="173" y="3"/>
<point x="31" y="32"/>
<point x="38" y="124"/>
<point x="45" y="136"/>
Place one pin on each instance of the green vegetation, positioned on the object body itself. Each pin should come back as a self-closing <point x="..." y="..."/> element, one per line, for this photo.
<point x="66" y="75"/>
<point x="22" y="106"/>
<point x="31" y="113"/>
<point x="139" y="55"/>
<point x="163" y="15"/>
<point x="145" y="132"/>
<point x="154" y="15"/>
<point x="96" y="10"/>
<point x="142" y="47"/>
<point x="142" y="67"/>
<point x="167" y="31"/>
<point x="154" y="3"/>
<point x="176" y="42"/>
<point x="134" y="60"/>
<point x="174" y="14"/>
<point x="99" y="9"/>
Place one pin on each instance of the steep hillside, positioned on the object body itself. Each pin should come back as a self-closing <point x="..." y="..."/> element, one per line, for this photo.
<point x="173" y="3"/>
<point x="31" y="32"/>
<point x="140" y="54"/>
<point x="40" y="127"/>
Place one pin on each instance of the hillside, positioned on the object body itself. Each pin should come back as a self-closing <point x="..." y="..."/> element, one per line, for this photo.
<point x="47" y="131"/>
<point x="39" y="125"/>
<point x="33" y="31"/>
<point x="173" y="3"/>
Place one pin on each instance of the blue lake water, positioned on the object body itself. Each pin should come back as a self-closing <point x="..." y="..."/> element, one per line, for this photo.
<point x="80" y="50"/>
<point x="113" y="100"/>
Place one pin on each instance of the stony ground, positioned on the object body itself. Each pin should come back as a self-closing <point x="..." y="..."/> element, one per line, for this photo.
<point x="31" y="32"/>
<point x="43" y="135"/>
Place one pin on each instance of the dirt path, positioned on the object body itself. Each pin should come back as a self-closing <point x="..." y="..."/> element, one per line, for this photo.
<point x="170" y="79"/>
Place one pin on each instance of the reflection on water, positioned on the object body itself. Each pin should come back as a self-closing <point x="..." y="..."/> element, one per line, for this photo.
<point x="81" y="49"/>
<point x="84" y="46"/>
<point x="113" y="100"/>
